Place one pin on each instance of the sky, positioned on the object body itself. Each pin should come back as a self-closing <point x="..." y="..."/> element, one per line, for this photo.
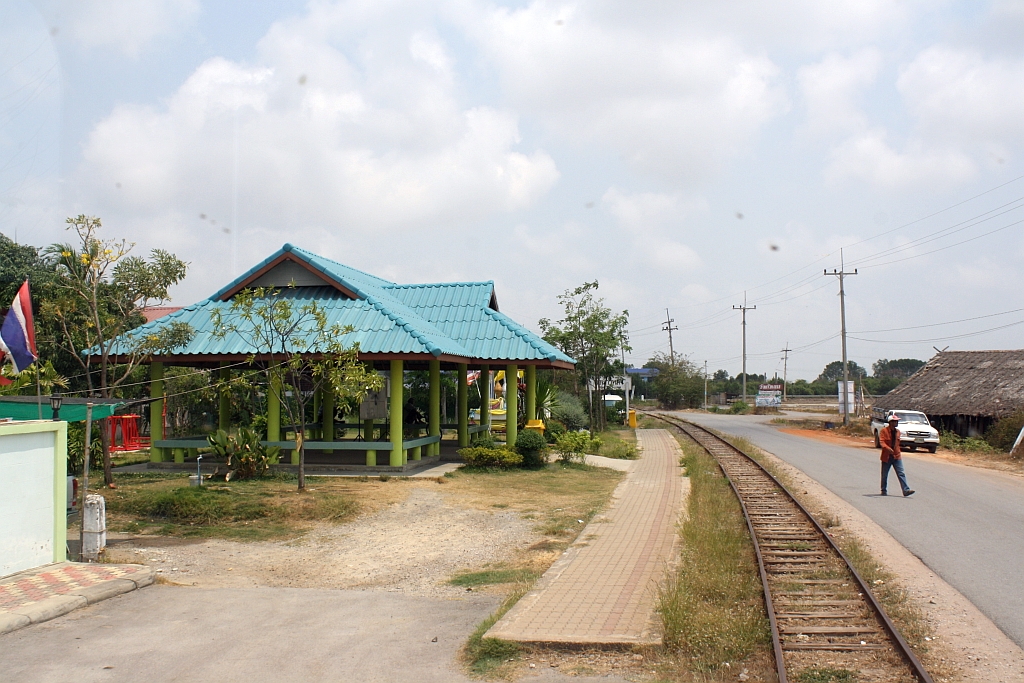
<point x="687" y="156"/>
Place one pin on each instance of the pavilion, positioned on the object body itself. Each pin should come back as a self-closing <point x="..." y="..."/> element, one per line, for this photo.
<point x="453" y="326"/>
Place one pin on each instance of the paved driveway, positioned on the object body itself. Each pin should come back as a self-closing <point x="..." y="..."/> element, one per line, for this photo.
<point x="965" y="523"/>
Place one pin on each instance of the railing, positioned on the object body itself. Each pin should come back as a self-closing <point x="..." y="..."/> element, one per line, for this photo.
<point x="310" y="445"/>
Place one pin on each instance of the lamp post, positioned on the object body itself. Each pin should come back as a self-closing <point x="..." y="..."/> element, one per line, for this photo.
<point x="55" y="400"/>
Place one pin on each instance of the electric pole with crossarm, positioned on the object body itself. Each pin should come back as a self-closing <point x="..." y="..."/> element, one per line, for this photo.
<point x="841" y="273"/>
<point x="744" y="308"/>
<point x="668" y="328"/>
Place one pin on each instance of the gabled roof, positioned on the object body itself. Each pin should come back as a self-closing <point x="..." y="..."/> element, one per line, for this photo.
<point x="982" y="383"/>
<point x="455" y="320"/>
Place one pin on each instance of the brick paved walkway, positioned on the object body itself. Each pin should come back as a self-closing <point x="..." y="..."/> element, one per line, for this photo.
<point x="40" y="594"/>
<point x="603" y="590"/>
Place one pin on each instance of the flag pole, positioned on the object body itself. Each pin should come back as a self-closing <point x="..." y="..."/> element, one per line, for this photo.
<point x="39" y="392"/>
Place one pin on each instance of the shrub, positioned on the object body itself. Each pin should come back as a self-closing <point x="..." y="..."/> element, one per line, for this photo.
<point x="484" y="440"/>
<point x="739" y="408"/>
<point x="76" y="447"/>
<point x="573" y="446"/>
<point x="955" y="442"/>
<point x="1002" y="434"/>
<point x="245" y="456"/>
<point x="491" y="458"/>
<point x="531" y="444"/>
<point x="552" y="429"/>
<point x="570" y="412"/>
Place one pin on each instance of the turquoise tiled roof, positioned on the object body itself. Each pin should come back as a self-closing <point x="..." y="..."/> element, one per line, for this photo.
<point x="453" y="319"/>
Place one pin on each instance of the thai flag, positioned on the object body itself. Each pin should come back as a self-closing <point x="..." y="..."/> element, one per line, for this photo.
<point x="18" y="334"/>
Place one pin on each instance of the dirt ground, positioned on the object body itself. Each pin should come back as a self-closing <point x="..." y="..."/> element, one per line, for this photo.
<point x="412" y="546"/>
<point x="966" y="647"/>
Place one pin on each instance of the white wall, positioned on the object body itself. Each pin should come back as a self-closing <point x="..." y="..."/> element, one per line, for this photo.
<point x="31" y="516"/>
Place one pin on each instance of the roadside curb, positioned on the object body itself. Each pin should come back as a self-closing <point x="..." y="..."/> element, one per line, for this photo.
<point x="68" y="596"/>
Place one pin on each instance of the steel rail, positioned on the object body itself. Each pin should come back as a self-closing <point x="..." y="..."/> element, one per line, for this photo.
<point x="897" y="640"/>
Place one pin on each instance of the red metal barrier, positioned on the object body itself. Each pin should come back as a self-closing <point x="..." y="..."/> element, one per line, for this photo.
<point x="130" y="439"/>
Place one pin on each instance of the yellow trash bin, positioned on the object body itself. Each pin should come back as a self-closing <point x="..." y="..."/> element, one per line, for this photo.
<point x="535" y="425"/>
<point x="632" y="418"/>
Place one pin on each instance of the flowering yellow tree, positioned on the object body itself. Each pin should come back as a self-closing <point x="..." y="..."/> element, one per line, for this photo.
<point x="101" y="291"/>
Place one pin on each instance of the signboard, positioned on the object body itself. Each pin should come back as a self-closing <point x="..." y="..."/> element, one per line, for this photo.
<point x="768" y="396"/>
<point x="847" y="400"/>
<point x="375" y="404"/>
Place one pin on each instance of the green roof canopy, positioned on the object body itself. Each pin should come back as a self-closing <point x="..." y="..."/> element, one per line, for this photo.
<point x="456" y="322"/>
<point x="71" y="409"/>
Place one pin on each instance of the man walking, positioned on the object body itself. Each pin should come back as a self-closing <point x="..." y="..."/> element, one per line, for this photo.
<point x="889" y="437"/>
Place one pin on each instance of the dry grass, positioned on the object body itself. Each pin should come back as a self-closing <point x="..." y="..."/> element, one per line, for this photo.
<point x="712" y="607"/>
<point x="163" y="503"/>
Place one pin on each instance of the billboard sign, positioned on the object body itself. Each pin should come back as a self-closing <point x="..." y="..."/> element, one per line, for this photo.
<point x="848" y="399"/>
<point x="768" y="396"/>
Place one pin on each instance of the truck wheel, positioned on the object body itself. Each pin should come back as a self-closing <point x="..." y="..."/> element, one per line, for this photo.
<point x="878" y="444"/>
<point x="912" y="448"/>
<point x="932" y="448"/>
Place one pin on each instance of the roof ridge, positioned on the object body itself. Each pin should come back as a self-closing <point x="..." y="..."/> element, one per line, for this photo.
<point x="292" y="248"/>
<point x="521" y="332"/>
<point x="397" y="285"/>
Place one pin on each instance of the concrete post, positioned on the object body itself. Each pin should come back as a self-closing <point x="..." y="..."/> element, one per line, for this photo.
<point x="463" y="405"/>
<point x="395" y="413"/>
<point x="511" y="404"/>
<point x="328" y="427"/>
<point x="156" y="411"/>
<point x="531" y="392"/>
<point x="434" y="409"/>
<point x="485" y="396"/>
<point x="224" y="411"/>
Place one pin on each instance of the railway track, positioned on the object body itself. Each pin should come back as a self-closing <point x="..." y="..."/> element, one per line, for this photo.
<point x="822" y="613"/>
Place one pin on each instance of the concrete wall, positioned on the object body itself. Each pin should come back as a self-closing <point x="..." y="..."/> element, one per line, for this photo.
<point x="33" y="494"/>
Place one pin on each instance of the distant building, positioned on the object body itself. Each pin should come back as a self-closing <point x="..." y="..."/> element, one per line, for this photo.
<point x="963" y="391"/>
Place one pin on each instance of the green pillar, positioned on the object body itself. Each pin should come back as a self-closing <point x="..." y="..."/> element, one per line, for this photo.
<point x="485" y="395"/>
<point x="317" y="402"/>
<point x="328" y="415"/>
<point x="511" y="404"/>
<point x="434" y="410"/>
<point x="179" y="455"/>
<point x="371" y="456"/>
<point x="395" y="413"/>
<point x="463" y="406"/>
<point x="224" y="413"/>
<point x="531" y="392"/>
<point x="156" y="410"/>
<point x="274" y="412"/>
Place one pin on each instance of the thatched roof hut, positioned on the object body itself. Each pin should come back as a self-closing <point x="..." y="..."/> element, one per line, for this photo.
<point x="963" y="391"/>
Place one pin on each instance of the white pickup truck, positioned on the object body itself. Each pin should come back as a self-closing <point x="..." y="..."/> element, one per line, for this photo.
<point x="915" y="429"/>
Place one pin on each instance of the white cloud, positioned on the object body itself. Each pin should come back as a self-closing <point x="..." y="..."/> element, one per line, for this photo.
<point x="832" y="89"/>
<point x="959" y="95"/>
<point x="673" y="105"/>
<point x="323" y="140"/>
<point x="869" y="157"/>
<point x="125" y="25"/>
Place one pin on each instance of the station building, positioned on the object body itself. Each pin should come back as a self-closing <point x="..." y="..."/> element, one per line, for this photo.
<point x="452" y="326"/>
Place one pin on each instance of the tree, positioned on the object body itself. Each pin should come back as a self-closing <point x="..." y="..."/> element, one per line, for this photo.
<point x="98" y="295"/>
<point x="299" y="353"/>
<point x="677" y="384"/>
<point x="593" y="335"/>
<point x="900" y="368"/>
<point x="833" y="372"/>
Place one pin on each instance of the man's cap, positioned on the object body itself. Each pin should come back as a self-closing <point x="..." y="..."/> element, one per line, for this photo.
<point x="893" y="417"/>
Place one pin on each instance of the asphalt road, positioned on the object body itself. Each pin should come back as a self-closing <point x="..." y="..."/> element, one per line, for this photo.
<point x="965" y="523"/>
<point x="252" y="635"/>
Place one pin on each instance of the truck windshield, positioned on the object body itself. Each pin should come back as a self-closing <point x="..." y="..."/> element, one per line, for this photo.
<point x="918" y="418"/>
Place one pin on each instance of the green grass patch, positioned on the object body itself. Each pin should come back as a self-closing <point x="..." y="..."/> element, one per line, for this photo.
<point x="486" y="657"/>
<point x="826" y="675"/>
<point x="712" y="607"/>
<point x="618" y="443"/>
<point x="491" y="577"/>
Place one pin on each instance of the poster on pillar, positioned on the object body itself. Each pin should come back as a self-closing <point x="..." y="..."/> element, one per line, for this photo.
<point x="848" y="399"/>
<point x="375" y="404"/>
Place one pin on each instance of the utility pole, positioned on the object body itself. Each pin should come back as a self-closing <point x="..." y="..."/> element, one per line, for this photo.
<point x="841" y="273"/>
<point x="668" y="328"/>
<point x="745" y="308"/>
<point x="785" y="366"/>
<point x="705" y="386"/>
